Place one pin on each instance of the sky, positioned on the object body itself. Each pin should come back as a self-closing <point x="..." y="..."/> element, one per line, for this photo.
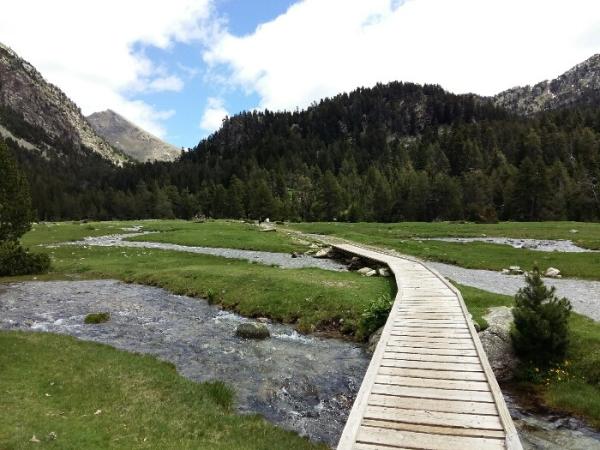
<point x="177" y="68"/>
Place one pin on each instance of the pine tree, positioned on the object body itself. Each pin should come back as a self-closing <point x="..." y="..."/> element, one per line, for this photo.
<point x="540" y="331"/>
<point x="15" y="220"/>
<point x="15" y="203"/>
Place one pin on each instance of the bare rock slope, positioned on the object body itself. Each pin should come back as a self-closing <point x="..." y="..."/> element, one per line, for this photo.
<point x="130" y="139"/>
<point x="579" y="86"/>
<point x="40" y="116"/>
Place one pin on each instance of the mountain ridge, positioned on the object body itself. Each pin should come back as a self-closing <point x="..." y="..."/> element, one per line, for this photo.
<point x="38" y="112"/>
<point x="130" y="139"/>
<point x="578" y="86"/>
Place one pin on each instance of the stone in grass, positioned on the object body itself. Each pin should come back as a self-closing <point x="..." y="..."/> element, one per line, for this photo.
<point x="252" y="330"/>
<point x="515" y="270"/>
<point x="367" y="271"/>
<point x="384" y="272"/>
<point x="324" y="252"/>
<point x="97" y="318"/>
<point x="552" y="272"/>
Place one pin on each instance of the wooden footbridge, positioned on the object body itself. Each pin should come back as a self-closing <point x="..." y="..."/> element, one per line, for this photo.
<point x="429" y="384"/>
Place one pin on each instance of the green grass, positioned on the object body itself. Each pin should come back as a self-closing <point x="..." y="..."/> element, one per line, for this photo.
<point x="94" y="318"/>
<point x="574" y="385"/>
<point x="479" y="302"/>
<point x="221" y="233"/>
<point x="55" y="232"/>
<point x="96" y="397"/>
<point x="311" y="299"/>
<point x="227" y="234"/>
<point x="476" y="255"/>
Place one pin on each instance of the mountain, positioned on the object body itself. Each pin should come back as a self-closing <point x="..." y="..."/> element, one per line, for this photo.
<point x="580" y="86"/>
<point x="392" y="152"/>
<point x="130" y="139"/>
<point x="39" y="116"/>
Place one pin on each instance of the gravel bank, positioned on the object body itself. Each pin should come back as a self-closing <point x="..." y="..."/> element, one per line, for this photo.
<point x="584" y="294"/>
<point x="283" y="260"/>
<point x="540" y="245"/>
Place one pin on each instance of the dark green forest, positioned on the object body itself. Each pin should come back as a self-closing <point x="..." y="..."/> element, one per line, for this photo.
<point x="394" y="152"/>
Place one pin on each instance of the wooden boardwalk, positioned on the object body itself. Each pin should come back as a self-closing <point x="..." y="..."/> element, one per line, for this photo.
<point x="429" y="384"/>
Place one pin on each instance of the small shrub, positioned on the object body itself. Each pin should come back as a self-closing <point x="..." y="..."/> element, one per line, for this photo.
<point x="16" y="260"/>
<point x="220" y="393"/>
<point x="211" y="296"/>
<point x="375" y="316"/>
<point x="540" y="330"/>
<point x="97" y="318"/>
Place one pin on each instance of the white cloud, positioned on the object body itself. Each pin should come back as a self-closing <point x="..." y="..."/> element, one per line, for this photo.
<point x="168" y="83"/>
<point x="94" y="50"/>
<point x="321" y="47"/>
<point x="213" y="115"/>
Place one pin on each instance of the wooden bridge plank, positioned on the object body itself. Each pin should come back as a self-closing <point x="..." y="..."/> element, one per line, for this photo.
<point x="426" y="417"/>
<point x="415" y="440"/>
<point x="433" y="393"/>
<point x="391" y="354"/>
<point x="403" y="347"/>
<point x="435" y="429"/>
<point x="434" y="383"/>
<point x="455" y="406"/>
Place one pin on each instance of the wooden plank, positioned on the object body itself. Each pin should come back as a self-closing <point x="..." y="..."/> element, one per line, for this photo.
<point x="440" y="339"/>
<point x="396" y="347"/>
<point x="433" y="429"/>
<point x="414" y="440"/>
<point x="435" y="383"/>
<point x="391" y="354"/>
<point x="443" y="332"/>
<point x="416" y="332"/>
<point x="431" y="365"/>
<point x="421" y="324"/>
<point x="455" y="406"/>
<point x="451" y="347"/>
<point x="427" y="417"/>
<point x="433" y="393"/>
<point x="433" y="374"/>
<point x="455" y="342"/>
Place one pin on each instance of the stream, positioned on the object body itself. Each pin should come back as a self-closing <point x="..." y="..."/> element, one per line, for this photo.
<point x="302" y="383"/>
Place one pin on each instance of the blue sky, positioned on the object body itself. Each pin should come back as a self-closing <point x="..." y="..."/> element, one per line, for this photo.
<point x="176" y="68"/>
<point x="242" y="18"/>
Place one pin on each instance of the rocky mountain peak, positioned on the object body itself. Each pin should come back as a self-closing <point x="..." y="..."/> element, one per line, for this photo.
<point x="578" y="86"/>
<point x="131" y="139"/>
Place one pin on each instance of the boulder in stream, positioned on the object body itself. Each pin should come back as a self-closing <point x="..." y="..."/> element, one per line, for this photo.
<point x="250" y="330"/>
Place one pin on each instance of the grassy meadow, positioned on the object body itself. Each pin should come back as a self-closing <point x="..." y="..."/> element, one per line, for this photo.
<point x="74" y="395"/>
<point x="404" y="238"/>
<point x="313" y="300"/>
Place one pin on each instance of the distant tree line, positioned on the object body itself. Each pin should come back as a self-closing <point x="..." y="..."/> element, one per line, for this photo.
<point x="394" y="152"/>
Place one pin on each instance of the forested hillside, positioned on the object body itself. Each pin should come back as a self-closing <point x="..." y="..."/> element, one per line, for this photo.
<point x="393" y="152"/>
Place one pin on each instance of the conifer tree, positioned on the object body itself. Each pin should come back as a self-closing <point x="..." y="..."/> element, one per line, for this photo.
<point x="540" y="330"/>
